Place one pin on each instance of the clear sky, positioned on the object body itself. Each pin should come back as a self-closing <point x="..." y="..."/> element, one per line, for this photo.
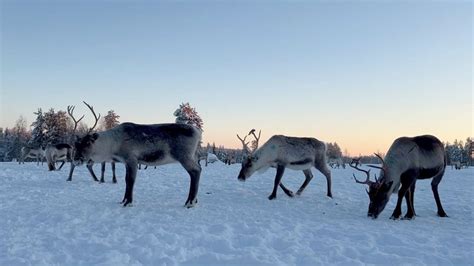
<point x="358" y="73"/>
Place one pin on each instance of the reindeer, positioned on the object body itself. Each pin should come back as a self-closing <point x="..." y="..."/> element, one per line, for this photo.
<point x="285" y="152"/>
<point x="408" y="159"/>
<point x="146" y="144"/>
<point x="29" y="152"/>
<point x="58" y="152"/>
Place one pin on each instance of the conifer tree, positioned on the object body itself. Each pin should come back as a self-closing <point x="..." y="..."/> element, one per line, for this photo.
<point x="185" y="114"/>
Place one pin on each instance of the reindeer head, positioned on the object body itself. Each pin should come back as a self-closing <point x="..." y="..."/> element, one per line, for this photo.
<point x="83" y="148"/>
<point x="379" y="191"/>
<point x="249" y="159"/>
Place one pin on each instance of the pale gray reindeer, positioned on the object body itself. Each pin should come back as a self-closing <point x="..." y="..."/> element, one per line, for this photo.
<point x="57" y="152"/>
<point x="132" y="144"/>
<point x="408" y="159"/>
<point x="286" y="152"/>
<point x="70" y="110"/>
<point x="34" y="153"/>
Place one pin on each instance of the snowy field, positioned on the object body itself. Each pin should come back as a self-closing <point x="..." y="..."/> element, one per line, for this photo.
<point x="48" y="221"/>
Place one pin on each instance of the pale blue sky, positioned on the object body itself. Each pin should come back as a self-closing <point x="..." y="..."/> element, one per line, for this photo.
<point x="359" y="73"/>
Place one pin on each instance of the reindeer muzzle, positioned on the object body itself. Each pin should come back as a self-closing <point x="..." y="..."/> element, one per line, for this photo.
<point x="241" y="177"/>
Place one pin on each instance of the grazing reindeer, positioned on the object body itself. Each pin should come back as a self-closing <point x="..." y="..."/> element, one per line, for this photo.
<point x="407" y="160"/>
<point x="286" y="152"/>
<point x="28" y="152"/>
<point x="146" y="144"/>
<point x="58" y="152"/>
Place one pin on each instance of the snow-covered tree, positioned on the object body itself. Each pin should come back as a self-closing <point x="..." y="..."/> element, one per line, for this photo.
<point x="333" y="151"/>
<point x="110" y="120"/>
<point x="57" y="126"/>
<point x="185" y="114"/>
<point x="38" y="137"/>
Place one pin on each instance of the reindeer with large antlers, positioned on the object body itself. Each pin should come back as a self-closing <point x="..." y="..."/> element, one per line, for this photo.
<point x="407" y="160"/>
<point x="285" y="152"/>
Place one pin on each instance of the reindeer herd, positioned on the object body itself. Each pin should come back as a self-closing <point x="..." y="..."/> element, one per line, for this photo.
<point x="407" y="160"/>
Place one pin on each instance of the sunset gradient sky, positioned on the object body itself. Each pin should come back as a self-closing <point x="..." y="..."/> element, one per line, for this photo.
<point x="358" y="73"/>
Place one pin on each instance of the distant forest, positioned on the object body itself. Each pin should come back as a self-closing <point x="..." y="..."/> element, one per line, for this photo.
<point x="53" y="127"/>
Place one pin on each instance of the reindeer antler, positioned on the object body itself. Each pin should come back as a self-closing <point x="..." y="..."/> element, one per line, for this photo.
<point x="367" y="181"/>
<point x="255" y="142"/>
<point x="95" y="116"/>
<point x="244" y="144"/>
<point x="380" y="157"/>
<point x="70" y="111"/>
<point x="378" y="167"/>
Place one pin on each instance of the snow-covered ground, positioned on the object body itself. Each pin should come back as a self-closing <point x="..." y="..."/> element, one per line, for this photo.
<point x="45" y="220"/>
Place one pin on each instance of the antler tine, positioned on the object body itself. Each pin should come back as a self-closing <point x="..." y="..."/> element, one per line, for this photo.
<point x="378" y="167"/>
<point x="380" y="157"/>
<point x="70" y="111"/>
<point x="252" y="132"/>
<point x="95" y="116"/>
<point x="245" y="145"/>
<point x="367" y="180"/>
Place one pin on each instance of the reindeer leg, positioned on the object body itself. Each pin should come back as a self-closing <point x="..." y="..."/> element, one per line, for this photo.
<point x="102" y="171"/>
<point x="410" y="203"/>
<point x="308" y="175"/>
<point x="194" y="171"/>
<point x="114" y="178"/>
<point x="131" y="174"/>
<point x="407" y="180"/>
<point x="279" y="175"/>
<point x="70" y="172"/>
<point x="287" y="191"/>
<point x="434" y="188"/>
<point x="322" y="167"/>
<point x="61" y="166"/>
<point x="91" y="171"/>
<point x="409" y="197"/>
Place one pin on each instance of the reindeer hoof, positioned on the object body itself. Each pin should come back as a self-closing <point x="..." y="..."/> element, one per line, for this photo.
<point x="408" y="217"/>
<point x="128" y="203"/>
<point x="443" y="214"/>
<point x="395" y="217"/>
<point x="190" y="204"/>
<point x="69" y="179"/>
<point x="272" y="197"/>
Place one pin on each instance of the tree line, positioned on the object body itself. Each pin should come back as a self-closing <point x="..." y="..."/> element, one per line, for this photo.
<point x="49" y="128"/>
<point x="53" y="127"/>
